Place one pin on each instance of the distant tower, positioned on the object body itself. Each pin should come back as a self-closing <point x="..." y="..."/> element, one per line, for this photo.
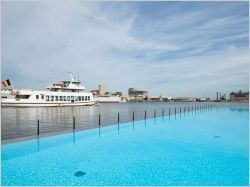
<point x="102" y="90"/>
<point x="130" y="91"/>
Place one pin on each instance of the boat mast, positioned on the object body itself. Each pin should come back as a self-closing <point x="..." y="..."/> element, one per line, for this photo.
<point x="71" y="76"/>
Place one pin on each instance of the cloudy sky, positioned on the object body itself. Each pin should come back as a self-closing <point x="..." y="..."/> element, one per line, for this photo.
<point x="169" y="48"/>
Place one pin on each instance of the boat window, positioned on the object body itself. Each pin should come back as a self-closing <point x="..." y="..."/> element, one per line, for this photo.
<point x="37" y="96"/>
<point x="22" y="96"/>
<point x="51" y="98"/>
<point x="72" y="98"/>
<point x="56" y="98"/>
<point x="47" y="98"/>
<point x="82" y="98"/>
<point x="42" y="96"/>
<point x="4" y="97"/>
<point x="68" y="98"/>
<point x="76" y="98"/>
<point x="79" y="98"/>
<point x="88" y="97"/>
<point x="64" y="98"/>
<point x="61" y="98"/>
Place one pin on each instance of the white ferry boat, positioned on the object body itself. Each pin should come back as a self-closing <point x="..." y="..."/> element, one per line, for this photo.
<point x="65" y="93"/>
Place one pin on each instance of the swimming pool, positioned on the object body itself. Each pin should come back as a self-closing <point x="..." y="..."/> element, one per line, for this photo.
<point x="208" y="147"/>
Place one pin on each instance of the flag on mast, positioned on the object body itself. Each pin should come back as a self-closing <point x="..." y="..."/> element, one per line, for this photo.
<point x="6" y="83"/>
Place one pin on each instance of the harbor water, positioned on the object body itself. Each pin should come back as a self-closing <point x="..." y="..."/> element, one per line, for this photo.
<point x="20" y="122"/>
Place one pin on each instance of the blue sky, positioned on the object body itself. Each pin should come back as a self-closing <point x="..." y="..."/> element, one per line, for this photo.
<point x="169" y="48"/>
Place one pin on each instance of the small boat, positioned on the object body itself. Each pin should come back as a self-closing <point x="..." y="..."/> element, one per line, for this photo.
<point x="64" y="93"/>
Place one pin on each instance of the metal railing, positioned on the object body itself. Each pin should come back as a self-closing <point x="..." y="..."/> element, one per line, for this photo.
<point x="184" y="110"/>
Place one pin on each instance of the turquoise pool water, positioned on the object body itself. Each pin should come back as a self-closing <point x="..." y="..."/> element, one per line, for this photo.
<point x="203" y="148"/>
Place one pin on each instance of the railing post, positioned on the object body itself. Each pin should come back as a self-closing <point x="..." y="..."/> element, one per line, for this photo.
<point x="169" y="112"/>
<point x="180" y="110"/>
<point x="99" y="120"/>
<point x="163" y="112"/>
<point x="74" y="123"/>
<point x="145" y="115"/>
<point x="155" y="114"/>
<point x="133" y="115"/>
<point x="175" y="111"/>
<point x="118" y="117"/>
<point x="38" y="128"/>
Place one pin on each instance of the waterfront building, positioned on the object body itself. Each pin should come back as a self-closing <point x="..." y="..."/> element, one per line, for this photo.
<point x="183" y="99"/>
<point x="239" y="96"/>
<point x="155" y="99"/>
<point x="220" y="97"/>
<point x="190" y="99"/>
<point x="103" y="96"/>
<point x="134" y="93"/>
<point x="118" y="94"/>
<point x="95" y="92"/>
<point x="102" y="90"/>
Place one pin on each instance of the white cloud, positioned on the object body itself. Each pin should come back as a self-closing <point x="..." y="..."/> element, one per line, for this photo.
<point x="168" y="56"/>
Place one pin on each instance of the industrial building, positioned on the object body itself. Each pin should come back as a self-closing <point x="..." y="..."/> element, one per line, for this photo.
<point x="239" y="96"/>
<point x="134" y="93"/>
<point x="102" y="91"/>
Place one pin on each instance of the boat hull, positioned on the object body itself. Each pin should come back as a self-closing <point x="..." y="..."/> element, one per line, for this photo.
<point x="47" y="104"/>
<point x="45" y="98"/>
